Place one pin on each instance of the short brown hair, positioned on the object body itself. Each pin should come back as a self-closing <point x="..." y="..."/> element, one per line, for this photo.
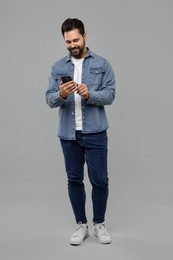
<point x="71" y="24"/>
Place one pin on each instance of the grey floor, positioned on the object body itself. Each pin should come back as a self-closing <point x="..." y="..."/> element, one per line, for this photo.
<point x="38" y="225"/>
<point x="50" y="248"/>
<point x="57" y="248"/>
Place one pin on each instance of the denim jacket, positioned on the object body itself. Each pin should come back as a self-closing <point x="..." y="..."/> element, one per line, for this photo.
<point x="98" y="75"/>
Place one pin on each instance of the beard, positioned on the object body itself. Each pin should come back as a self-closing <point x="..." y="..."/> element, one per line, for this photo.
<point x="77" y="51"/>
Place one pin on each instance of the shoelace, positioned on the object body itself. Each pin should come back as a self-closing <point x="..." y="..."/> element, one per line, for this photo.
<point x="78" y="227"/>
<point x="102" y="229"/>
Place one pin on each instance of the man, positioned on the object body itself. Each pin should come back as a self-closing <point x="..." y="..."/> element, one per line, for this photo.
<point x="82" y="125"/>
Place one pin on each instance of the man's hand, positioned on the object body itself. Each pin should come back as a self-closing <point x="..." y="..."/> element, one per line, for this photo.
<point x="82" y="90"/>
<point x="67" y="88"/>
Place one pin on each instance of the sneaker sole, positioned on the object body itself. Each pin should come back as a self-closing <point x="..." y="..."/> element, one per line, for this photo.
<point x="79" y="243"/>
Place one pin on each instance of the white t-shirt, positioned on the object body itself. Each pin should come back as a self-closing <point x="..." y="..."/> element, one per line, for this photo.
<point x="77" y="77"/>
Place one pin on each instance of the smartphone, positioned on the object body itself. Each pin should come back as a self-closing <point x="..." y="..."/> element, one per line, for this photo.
<point x="66" y="79"/>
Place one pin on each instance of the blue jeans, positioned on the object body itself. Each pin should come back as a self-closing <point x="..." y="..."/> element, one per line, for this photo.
<point x="92" y="149"/>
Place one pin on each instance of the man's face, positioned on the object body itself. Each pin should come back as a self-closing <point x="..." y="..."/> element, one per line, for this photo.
<point x="75" y="43"/>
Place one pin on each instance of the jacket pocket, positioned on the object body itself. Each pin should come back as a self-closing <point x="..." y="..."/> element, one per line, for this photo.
<point x="60" y="71"/>
<point x="96" y="77"/>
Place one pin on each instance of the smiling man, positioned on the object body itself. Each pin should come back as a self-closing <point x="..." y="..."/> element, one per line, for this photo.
<point x="75" y="43"/>
<point x="83" y="124"/>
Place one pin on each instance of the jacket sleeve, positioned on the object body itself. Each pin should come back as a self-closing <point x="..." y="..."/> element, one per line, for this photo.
<point x="52" y="94"/>
<point x="106" y="94"/>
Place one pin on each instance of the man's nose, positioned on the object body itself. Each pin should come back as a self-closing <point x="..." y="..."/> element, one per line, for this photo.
<point x="73" y="45"/>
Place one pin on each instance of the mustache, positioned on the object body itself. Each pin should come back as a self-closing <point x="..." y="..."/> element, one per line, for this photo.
<point x="75" y="48"/>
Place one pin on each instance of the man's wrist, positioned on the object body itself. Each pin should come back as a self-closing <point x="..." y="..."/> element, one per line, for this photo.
<point x="62" y="96"/>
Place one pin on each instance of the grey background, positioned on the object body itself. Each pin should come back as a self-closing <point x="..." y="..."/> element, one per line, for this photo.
<point x="36" y="219"/>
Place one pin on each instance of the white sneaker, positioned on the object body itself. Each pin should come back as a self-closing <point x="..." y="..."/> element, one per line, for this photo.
<point x="80" y="234"/>
<point x="100" y="231"/>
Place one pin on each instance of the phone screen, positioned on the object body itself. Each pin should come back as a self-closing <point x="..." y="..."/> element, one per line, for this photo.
<point x="66" y="79"/>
